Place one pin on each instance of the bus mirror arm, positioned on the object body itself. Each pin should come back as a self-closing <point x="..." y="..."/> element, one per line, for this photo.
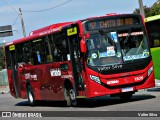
<point x="83" y="46"/>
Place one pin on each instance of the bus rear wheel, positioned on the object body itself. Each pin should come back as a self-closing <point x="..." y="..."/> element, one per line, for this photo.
<point x="30" y="95"/>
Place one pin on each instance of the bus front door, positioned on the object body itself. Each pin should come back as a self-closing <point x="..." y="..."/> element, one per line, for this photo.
<point x="76" y="64"/>
<point x="14" y="77"/>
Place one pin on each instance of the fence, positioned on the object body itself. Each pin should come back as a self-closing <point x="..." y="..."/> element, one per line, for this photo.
<point x="3" y="78"/>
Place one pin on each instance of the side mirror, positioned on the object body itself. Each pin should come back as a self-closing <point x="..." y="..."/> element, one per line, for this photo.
<point x="83" y="46"/>
<point x="87" y="35"/>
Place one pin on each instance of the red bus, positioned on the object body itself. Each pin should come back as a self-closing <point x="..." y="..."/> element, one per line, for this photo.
<point x="97" y="56"/>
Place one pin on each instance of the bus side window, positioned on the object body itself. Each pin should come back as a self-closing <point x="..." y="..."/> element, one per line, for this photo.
<point x="49" y="57"/>
<point x="39" y="51"/>
<point x="58" y="46"/>
<point x="65" y="49"/>
<point x="51" y="48"/>
<point x="55" y="48"/>
<point x="8" y="60"/>
<point x="27" y="53"/>
<point x="20" y="55"/>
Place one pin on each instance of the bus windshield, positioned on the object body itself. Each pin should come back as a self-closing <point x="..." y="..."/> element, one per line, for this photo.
<point x="117" y="47"/>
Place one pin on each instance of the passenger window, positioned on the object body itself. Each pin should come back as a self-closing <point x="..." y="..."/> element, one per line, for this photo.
<point x="38" y="52"/>
<point x="59" y="47"/>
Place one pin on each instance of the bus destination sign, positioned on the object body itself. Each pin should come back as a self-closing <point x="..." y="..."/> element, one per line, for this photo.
<point x="111" y="23"/>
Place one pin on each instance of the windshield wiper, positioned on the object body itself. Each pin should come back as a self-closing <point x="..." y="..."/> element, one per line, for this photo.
<point x="129" y="34"/>
<point x="107" y="37"/>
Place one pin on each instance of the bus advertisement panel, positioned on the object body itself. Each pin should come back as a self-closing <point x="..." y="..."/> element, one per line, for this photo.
<point x="98" y="56"/>
<point x="153" y="28"/>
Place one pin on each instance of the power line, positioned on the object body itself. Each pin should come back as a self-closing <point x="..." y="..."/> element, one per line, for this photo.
<point x="48" y="8"/>
<point x="15" y="20"/>
<point x="19" y="14"/>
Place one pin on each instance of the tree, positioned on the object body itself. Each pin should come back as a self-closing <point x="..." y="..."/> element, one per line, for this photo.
<point x="150" y="11"/>
<point x="155" y="9"/>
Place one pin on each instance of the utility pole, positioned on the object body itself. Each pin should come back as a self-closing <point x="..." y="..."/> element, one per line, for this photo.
<point x="22" y="22"/>
<point x="20" y="15"/>
<point x="141" y="7"/>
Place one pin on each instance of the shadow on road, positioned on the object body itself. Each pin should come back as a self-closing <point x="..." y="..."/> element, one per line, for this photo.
<point x="90" y="103"/>
<point x="156" y="89"/>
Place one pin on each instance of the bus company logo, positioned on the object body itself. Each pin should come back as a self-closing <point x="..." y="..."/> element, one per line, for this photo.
<point x="133" y="33"/>
<point x="29" y="76"/>
<point x="112" y="82"/>
<point x="50" y="31"/>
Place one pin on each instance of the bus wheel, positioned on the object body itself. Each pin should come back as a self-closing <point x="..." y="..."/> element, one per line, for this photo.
<point x="126" y="96"/>
<point x="30" y="95"/>
<point x="67" y="98"/>
<point x="72" y="96"/>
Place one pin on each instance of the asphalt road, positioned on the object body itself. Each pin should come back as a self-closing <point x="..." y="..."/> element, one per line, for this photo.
<point x="142" y="103"/>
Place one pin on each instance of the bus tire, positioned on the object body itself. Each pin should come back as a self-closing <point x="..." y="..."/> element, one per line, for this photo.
<point x="30" y="96"/>
<point x="70" y="97"/>
<point x="126" y="96"/>
<point x="67" y="98"/>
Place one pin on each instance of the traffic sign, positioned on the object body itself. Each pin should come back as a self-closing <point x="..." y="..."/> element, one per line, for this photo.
<point x="6" y="31"/>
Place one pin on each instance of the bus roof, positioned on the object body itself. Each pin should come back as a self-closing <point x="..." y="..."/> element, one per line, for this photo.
<point x="41" y="32"/>
<point x="54" y="28"/>
<point x="152" y="18"/>
<point x="57" y="25"/>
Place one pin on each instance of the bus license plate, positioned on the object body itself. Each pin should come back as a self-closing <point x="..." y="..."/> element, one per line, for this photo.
<point x="127" y="89"/>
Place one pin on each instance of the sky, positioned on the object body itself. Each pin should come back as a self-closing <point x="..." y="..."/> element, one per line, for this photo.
<point x="56" y="11"/>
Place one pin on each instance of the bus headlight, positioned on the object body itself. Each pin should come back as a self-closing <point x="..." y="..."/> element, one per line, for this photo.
<point x="95" y="78"/>
<point x="150" y="71"/>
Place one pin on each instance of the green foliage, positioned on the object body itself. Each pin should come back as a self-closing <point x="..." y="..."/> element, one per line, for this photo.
<point x="150" y="11"/>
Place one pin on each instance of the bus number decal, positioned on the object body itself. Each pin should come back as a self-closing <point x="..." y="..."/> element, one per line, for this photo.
<point x="55" y="72"/>
<point x="71" y="31"/>
<point x="139" y="78"/>
<point x="12" y="47"/>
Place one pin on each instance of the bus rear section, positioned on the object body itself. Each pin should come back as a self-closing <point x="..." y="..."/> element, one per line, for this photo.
<point x="118" y="57"/>
<point x="153" y="29"/>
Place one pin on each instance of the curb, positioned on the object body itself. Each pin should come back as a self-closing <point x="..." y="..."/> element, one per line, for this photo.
<point x="4" y="89"/>
<point x="4" y="92"/>
<point x="157" y="83"/>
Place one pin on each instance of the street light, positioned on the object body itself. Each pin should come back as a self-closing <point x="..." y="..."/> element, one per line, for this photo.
<point x="20" y="14"/>
<point x="141" y="8"/>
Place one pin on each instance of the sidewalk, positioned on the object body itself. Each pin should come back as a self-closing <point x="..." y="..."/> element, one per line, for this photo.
<point x="4" y="89"/>
<point x="157" y="83"/>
